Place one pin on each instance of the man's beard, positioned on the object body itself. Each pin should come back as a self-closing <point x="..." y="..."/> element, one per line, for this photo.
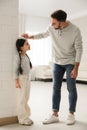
<point x="59" y="27"/>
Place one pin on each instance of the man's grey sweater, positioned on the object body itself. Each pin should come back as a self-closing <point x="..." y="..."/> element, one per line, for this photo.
<point x="66" y="44"/>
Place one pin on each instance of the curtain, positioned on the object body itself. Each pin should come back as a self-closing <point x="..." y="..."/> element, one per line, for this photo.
<point x="40" y="53"/>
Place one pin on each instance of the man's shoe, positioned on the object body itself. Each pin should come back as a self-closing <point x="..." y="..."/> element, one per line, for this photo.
<point x="71" y="119"/>
<point x="51" y="119"/>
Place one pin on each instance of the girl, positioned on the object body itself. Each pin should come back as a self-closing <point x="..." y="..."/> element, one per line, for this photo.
<point x="22" y="66"/>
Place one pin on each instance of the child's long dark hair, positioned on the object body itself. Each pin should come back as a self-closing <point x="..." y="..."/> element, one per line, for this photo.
<point x="19" y="43"/>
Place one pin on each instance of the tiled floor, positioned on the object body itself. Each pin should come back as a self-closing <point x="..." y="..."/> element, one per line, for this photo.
<point x="40" y="103"/>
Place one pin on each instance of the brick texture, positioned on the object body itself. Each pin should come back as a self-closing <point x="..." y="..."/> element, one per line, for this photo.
<point x="8" y="35"/>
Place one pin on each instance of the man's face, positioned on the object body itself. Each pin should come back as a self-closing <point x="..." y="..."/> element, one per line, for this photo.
<point x="55" y="23"/>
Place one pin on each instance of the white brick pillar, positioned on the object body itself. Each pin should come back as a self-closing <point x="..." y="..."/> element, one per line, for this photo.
<point x="8" y="34"/>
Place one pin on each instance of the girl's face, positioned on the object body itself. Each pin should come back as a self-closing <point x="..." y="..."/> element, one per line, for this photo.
<point x="25" y="47"/>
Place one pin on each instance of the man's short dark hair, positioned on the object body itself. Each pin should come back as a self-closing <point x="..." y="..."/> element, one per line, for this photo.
<point x="60" y="15"/>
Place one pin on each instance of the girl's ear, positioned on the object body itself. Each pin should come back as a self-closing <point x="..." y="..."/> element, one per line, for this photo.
<point x="21" y="48"/>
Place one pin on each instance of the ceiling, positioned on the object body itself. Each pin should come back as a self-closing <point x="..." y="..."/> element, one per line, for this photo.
<point x="44" y="8"/>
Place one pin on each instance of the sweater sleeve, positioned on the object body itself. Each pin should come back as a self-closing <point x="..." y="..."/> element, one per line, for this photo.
<point x="15" y="67"/>
<point x="78" y="46"/>
<point x="42" y="35"/>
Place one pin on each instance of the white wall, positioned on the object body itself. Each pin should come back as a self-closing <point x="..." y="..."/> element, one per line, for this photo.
<point x="36" y="24"/>
<point x="33" y="23"/>
<point x="8" y="35"/>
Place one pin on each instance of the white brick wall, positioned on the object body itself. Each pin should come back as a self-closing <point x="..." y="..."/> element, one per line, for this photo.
<point x="8" y="35"/>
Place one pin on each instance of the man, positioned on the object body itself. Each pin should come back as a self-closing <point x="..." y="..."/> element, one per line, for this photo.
<point x="67" y="51"/>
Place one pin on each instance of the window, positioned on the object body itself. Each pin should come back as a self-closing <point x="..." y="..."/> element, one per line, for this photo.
<point x="40" y="53"/>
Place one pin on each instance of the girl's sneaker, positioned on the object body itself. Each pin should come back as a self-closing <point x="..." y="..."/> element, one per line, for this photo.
<point x="27" y="122"/>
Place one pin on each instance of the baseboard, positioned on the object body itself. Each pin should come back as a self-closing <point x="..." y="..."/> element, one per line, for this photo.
<point x="50" y="80"/>
<point x="79" y="81"/>
<point x="44" y="79"/>
<point x="8" y="120"/>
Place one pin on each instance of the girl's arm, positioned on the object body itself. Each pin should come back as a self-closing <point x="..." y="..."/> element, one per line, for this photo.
<point x="15" y="71"/>
<point x="17" y="84"/>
